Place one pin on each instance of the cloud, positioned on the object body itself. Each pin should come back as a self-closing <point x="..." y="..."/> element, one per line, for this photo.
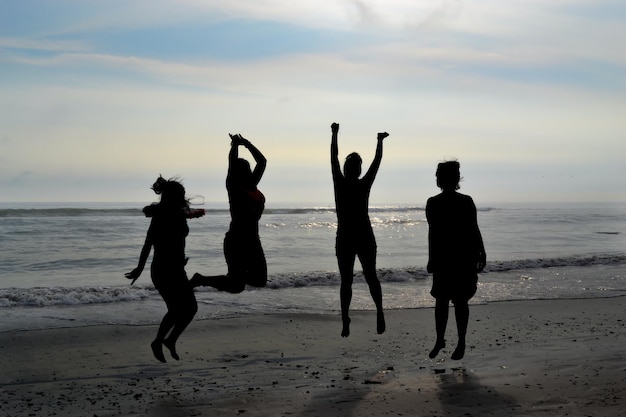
<point x="106" y="91"/>
<point x="42" y="44"/>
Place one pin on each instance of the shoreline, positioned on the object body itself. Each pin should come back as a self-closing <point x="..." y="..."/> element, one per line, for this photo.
<point x="524" y="358"/>
<point x="152" y="310"/>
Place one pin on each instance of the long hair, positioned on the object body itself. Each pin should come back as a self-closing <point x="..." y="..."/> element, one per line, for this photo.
<point x="241" y="173"/>
<point x="172" y="195"/>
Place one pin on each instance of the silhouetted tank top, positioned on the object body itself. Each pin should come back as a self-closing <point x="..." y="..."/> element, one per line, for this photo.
<point x="352" y="201"/>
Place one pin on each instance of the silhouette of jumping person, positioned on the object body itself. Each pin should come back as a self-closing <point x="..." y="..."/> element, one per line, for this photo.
<point x="355" y="236"/>
<point x="242" y="246"/>
<point x="456" y="254"/>
<point x="166" y="233"/>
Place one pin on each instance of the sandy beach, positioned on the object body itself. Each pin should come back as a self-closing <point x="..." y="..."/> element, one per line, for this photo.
<point x="527" y="358"/>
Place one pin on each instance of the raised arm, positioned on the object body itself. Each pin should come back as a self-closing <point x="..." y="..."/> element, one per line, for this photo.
<point x="334" y="151"/>
<point x="259" y="158"/>
<point x="373" y="169"/>
<point x="233" y="154"/>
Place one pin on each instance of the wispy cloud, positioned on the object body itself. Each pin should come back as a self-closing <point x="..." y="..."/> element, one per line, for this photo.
<point x="42" y="44"/>
<point x="148" y="85"/>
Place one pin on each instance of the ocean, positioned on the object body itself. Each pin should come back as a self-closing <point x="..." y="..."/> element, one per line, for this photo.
<point x="63" y="264"/>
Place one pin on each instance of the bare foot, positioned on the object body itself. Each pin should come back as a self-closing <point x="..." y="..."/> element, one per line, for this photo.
<point x="380" y="323"/>
<point x="157" y="351"/>
<point x="345" y="332"/>
<point x="459" y="352"/>
<point x="438" y="346"/>
<point x="172" y="348"/>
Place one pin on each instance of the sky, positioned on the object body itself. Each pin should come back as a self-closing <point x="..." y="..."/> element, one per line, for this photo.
<point x="97" y="98"/>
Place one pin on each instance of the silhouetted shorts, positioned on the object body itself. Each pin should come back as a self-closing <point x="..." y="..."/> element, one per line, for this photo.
<point x="349" y="245"/>
<point x="175" y="289"/>
<point x="245" y="258"/>
<point x="454" y="285"/>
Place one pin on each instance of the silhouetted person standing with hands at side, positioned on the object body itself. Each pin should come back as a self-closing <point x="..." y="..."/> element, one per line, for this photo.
<point x="355" y="236"/>
<point x="167" y="233"/>
<point x="456" y="254"/>
<point x="242" y="246"/>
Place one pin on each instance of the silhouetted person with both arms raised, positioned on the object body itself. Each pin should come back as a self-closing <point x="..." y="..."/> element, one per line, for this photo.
<point x="167" y="232"/>
<point x="242" y="246"/>
<point x="355" y="236"/>
<point x="456" y="254"/>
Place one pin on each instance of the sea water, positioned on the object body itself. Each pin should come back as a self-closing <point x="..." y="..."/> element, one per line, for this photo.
<point x="63" y="264"/>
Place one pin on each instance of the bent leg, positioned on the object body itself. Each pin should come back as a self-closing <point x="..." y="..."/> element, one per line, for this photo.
<point x="181" y="324"/>
<point x="224" y="283"/>
<point x="167" y="323"/>
<point x="234" y="282"/>
<point x="256" y="274"/>
<point x="183" y="311"/>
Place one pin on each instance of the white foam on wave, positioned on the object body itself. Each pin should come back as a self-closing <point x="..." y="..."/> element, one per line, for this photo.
<point x="74" y="296"/>
<point x="71" y="296"/>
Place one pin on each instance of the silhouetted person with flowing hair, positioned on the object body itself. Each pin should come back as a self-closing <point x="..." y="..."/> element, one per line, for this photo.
<point x="167" y="233"/>
<point x="456" y="254"/>
<point x="355" y="236"/>
<point x="242" y="246"/>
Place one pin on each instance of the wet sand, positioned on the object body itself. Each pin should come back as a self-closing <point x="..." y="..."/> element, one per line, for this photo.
<point x="527" y="358"/>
